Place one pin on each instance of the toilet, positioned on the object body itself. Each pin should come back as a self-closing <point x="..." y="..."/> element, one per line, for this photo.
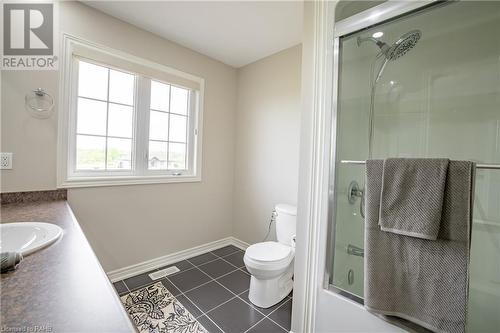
<point x="271" y="263"/>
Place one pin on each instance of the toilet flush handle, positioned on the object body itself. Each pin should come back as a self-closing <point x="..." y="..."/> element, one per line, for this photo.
<point x="293" y="240"/>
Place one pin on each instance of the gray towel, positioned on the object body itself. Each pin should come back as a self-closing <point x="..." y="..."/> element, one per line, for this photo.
<point x="422" y="281"/>
<point x="412" y="196"/>
<point x="9" y="261"/>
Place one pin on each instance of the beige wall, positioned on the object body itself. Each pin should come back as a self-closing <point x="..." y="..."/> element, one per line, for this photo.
<point x="130" y="224"/>
<point x="160" y="218"/>
<point x="32" y="141"/>
<point x="267" y="141"/>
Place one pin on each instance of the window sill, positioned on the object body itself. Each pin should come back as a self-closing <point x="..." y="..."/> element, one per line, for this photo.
<point x="126" y="180"/>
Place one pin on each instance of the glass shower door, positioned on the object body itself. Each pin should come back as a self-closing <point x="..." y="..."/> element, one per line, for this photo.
<point x="439" y="98"/>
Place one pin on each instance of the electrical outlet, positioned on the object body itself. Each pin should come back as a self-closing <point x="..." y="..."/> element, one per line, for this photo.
<point x="5" y="161"/>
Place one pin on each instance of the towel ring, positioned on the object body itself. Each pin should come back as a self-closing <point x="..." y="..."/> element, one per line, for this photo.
<point x="39" y="103"/>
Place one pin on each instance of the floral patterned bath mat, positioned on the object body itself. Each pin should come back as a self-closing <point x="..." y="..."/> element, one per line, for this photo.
<point x="154" y="309"/>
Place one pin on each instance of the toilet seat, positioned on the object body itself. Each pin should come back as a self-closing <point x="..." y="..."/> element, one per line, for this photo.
<point x="269" y="255"/>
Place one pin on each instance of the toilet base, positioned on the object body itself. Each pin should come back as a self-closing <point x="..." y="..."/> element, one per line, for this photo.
<point x="266" y="293"/>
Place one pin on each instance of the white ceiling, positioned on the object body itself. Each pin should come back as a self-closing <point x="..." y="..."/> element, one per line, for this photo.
<point x="233" y="32"/>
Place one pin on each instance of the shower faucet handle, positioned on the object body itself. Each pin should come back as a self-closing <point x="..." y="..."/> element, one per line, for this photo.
<point x="354" y="191"/>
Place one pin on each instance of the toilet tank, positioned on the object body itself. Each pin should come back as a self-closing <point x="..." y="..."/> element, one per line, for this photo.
<point x="286" y="218"/>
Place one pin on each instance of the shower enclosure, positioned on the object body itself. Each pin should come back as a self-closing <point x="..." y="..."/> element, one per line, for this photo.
<point x="424" y="83"/>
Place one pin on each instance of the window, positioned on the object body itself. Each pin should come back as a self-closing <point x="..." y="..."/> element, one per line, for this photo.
<point x="168" y="127"/>
<point x="129" y="121"/>
<point x="104" y="118"/>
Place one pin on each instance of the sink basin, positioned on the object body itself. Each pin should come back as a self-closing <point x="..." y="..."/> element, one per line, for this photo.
<point x="27" y="237"/>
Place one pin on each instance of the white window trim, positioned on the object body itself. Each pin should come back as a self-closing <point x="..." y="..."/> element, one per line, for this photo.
<point x="65" y="178"/>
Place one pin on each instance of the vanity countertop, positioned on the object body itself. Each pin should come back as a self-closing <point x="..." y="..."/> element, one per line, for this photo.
<point x="61" y="288"/>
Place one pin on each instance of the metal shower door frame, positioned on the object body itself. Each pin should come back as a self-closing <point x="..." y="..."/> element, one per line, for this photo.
<point x="389" y="10"/>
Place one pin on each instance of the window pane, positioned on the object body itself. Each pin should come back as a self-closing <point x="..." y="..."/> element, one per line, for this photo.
<point x="177" y="156"/>
<point x="92" y="81"/>
<point x="91" y="117"/>
<point x="90" y="152"/>
<point x="157" y="155"/>
<point x="178" y="128"/>
<point x="159" y="96"/>
<point x="121" y="87"/>
<point x="119" y="153"/>
<point x="120" y="120"/>
<point x="158" y="126"/>
<point x="179" y="100"/>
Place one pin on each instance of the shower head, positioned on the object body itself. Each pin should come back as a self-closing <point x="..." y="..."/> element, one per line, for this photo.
<point x="404" y="44"/>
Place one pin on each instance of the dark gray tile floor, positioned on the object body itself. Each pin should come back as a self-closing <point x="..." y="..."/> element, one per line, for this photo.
<point x="214" y="288"/>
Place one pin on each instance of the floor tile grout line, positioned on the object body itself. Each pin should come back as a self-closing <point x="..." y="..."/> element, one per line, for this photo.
<point x="222" y="260"/>
<point x="182" y="293"/>
<point x="252" y="305"/>
<point x="203" y="263"/>
<point x="198" y="286"/>
<point x="227" y="255"/>
<point x="202" y="313"/>
<point x="212" y="321"/>
<point x="234" y="270"/>
<point x="218" y="306"/>
<point x="186" y="270"/>
<point x="213" y="280"/>
<point x="204" y="283"/>
<point x="231" y="263"/>
<point x="271" y="319"/>
<point x="287" y="299"/>
<point x="257" y="323"/>
<point x="266" y="316"/>
<point x="212" y="260"/>
<point x="221" y="283"/>
<point x="262" y="313"/>
<point x="126" y="287"/>
<point x="201" y="285"/>
<point x="237" y="295"/>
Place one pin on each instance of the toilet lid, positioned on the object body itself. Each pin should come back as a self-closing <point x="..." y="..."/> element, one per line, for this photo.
<point x="268" y="251"/>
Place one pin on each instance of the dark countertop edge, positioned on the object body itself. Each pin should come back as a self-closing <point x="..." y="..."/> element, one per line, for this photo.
<point x="71" y="221"/>
<point x="103" y="272"/>
<point x="33" y="196"/>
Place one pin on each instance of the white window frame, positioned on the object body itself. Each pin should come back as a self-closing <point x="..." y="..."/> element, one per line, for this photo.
<point x="68" y="177"/>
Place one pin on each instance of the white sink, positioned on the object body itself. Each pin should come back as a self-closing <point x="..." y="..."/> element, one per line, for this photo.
<point x="27" y="237"/>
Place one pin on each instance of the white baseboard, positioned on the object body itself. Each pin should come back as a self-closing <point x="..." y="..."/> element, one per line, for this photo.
<point x="146" y="266"/>
<point x="239" y="243"/>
